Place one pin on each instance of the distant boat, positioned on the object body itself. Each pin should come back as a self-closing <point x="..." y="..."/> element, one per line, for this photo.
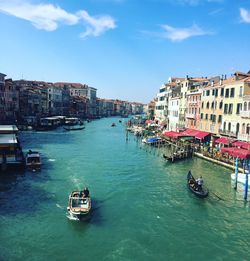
<point x="79" y="204"/>
<point x="113" y="125"/>
<point x="33" y="160"/>
<point x="194" y="188"/>
<point x="73" y="128"/>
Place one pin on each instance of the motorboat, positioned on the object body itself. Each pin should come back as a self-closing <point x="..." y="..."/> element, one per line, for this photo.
<point x="74" y="127"/>
<point x="33" y="160"/>
<point x="199" y="191"/>
<point x="79" y="204"/>
<point x="113" y="125"/>
<point x="241" y="178"/>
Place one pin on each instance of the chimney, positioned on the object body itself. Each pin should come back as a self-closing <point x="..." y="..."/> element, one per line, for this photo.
<point x="225" y="77"/>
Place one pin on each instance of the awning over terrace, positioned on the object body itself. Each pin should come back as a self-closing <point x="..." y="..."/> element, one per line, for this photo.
<point x="235" y="152"/>
<point x="224" y="140"/>
<point x="174" y="134"/>
<point x="197" y="134"/>
<point x="241" y="144"/>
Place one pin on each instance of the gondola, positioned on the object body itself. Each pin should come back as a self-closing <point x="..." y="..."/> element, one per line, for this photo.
<point x="194" y="188"/>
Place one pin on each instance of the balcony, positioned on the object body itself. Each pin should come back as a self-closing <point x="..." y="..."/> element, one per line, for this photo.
<point x="190" y="116"/>
<point x="243" y="137"/>
<point x="245" y="114"/>
<point x="228" y="133"/>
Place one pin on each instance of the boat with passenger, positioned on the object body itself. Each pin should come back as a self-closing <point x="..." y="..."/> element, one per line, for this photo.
<point x="33" y="160"/>
<point x="196" y="187"/>
<point x="79" y="204"/>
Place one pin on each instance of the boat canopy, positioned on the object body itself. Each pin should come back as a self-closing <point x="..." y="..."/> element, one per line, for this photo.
<point x="236" y="152"/>
<point x="153" y="139"/>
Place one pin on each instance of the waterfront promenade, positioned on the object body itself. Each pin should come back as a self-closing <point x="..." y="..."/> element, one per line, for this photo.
<point x="142" y="208"/>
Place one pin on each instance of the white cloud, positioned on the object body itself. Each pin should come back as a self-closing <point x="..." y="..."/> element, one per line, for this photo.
<point x="96" y="25"/>
<point x="245" y="15"/>
<point x="48" y="17"/>
<point x="180" y="34"/>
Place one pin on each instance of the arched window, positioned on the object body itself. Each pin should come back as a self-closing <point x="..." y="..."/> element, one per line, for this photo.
<point x="229" y="126"/>
<point x="215" y="105"/>
<point x="224" y="126"/>
<point x="212" y="105"/>
<point x="245" y="106"/>
<point x="243" y="130"/>
<point x="249" y="106"/>
<point x="202" y="105"/>
<point x="207" y="105"/>
<point x="237" y="128"/>
<point x="248" y="129"/>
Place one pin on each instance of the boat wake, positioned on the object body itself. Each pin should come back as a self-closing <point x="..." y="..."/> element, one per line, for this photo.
<point x="72" y="218"/>
<point x="52" y="160"/>
<point x="59" y="206"/>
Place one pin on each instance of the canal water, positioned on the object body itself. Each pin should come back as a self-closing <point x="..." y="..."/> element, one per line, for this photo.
<point x="142" y="209"/>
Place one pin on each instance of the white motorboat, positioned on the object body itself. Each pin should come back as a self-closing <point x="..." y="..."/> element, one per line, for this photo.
<point x="33" y="160"/>
<point x="79" y="204"/>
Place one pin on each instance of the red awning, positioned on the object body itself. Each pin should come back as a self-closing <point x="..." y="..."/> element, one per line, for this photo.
<point x="241" y="144"/>
<point x="173" y="134"/>
<point x="224" y="140"/>
<point x="197" y="134"/>
<point x="235" y="152"/>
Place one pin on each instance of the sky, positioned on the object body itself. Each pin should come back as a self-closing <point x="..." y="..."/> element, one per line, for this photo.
<point x="125" y="48"/>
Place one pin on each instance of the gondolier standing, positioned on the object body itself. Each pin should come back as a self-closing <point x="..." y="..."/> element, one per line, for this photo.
<point x="199" y="183"/>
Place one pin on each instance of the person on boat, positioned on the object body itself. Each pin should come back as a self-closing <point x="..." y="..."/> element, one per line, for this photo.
<point x="85" y="192"/>
<point x="199" y="183"/>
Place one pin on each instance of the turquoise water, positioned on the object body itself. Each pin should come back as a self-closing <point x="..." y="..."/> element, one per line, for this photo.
<point x="142" y="208"/>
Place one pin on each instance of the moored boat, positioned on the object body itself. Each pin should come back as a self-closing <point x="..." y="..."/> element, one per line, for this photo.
<point x="79" y="204"/>
<point x="33" y="160"/>
<point x="72" y="128"/>
<point x="199" y="191"/>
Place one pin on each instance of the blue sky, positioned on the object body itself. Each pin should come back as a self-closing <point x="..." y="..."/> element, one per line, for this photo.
<point x="124" y="48"/>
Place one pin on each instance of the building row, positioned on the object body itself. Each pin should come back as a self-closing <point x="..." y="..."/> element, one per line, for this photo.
<point x="218" y="105"/>
<point x="30" y="100"/>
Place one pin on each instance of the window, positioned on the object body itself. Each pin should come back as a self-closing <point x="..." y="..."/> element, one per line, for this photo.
<point x="222" y="92"/>
<point x="206" y="116"/>
<point x="232" y="92"/>
<point x="201" y="116"/>
<point x="221" y="105"/>
<point x="230" y="108"/>
<point x="216" y="92"/>
<point x="239" y="105"/>
<point x="207" y="92"/>
<point x="213" y="92"/>
<point x="207" y="105"/>
<point x="211" y="117"/>
<point x="202" y="105"/>
<point x="212" y="105"/>
<point x="225" y="108"/>
<point x="214" y="118"/>
<point x="245" y="106"/>
<point x="220" y="118"/>
<point x="241" y="91"/>
<point x="227" y="93"/>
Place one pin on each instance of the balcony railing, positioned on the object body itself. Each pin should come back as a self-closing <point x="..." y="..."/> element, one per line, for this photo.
<point x="245" y="114"/>
<point x="190" y="115"/>
<point x="228" y="133"/>
<point x="243" y="137"/>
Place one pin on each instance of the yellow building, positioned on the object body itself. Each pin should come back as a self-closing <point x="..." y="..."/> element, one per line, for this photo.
<point x="221" y="107"/>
